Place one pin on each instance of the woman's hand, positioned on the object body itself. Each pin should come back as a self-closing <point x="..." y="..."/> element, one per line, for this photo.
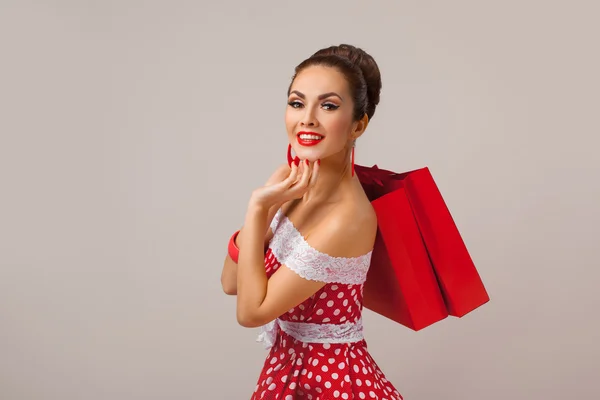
<point x="288" y="185"/>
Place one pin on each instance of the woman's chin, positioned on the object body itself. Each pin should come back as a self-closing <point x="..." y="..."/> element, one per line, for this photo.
<point x="311" y="156"/>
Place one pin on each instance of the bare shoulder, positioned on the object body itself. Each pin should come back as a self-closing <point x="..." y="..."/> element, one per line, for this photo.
<point x="349" y="230"/>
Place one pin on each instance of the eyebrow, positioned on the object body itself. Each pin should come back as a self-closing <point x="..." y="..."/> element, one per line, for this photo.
<point x="321" y="97"/>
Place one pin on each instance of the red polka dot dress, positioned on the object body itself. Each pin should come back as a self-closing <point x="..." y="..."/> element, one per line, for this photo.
<point x="316" y="349"/>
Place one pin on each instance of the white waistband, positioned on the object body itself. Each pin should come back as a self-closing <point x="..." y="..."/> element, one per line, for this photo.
<point x="312" y="333"/>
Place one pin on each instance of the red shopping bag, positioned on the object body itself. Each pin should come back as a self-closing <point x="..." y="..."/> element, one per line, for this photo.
<point x="401" y="284"/>
<point x="460" y="283"/>
<point x="414" y="220"/>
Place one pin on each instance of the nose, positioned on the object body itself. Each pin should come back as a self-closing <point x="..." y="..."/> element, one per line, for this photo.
<point x="309" y="118"/>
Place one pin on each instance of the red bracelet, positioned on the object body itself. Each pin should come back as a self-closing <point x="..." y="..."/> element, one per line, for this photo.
<point x="232" y="248"/>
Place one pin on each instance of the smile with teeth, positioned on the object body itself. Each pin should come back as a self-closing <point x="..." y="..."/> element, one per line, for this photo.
<point x="309" y="138"/>
<point x="306" y="136"/>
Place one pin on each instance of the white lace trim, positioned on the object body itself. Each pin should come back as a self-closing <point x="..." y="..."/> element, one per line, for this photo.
<point x="268" y="333"/>
<point x="290" y="248"/>
<point x="324" y="333"/>
<point x="276" y="219"/>
<point x="312" y="333"/>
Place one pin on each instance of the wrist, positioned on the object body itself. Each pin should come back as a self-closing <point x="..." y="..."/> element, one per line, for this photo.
<point x="256" y="217"/>
<point x="257" y="207"/>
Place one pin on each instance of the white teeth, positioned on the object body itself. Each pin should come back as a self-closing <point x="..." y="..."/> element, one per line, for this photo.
<point x="308" y="137"/>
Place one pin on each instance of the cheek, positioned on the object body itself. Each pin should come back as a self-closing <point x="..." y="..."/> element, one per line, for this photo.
<point x="340" y="127"/>
<point x="290" y="121"/>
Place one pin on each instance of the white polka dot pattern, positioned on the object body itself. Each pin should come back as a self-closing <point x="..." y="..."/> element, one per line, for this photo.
<point x="296" y="369"/>
<point x="322" y="371"/>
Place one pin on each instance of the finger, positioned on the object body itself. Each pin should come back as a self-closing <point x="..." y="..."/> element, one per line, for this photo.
<point x="308" y="169"/>
<point x="299" y="172"/>
<point x="292" y="177"/>
<point x="305" y="177"/>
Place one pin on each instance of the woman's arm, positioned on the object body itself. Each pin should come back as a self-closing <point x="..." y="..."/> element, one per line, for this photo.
<point x="261" y="300"/>
<point x="229" y="273"/>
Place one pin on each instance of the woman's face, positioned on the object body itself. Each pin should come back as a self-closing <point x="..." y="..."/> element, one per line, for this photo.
<point x="318" y="117"/>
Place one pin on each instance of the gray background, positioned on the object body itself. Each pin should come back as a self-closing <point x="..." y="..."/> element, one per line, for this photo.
<point x="132" y="133"/>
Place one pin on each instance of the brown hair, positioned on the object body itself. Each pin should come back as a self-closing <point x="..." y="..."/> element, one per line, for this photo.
<point x="360" y="70"/>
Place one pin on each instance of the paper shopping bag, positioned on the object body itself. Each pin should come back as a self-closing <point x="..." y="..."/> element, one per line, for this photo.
<point x="401" y="284"/>
<point x="459" y="280"/>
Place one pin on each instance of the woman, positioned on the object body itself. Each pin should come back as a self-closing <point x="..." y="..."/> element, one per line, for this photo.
<point x="299" y="263"/>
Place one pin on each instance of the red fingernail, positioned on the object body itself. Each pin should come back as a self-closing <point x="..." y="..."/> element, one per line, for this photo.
<point x="306" y="162"/>
<point x="297" y="161"/>
<point x="319" y="162"/>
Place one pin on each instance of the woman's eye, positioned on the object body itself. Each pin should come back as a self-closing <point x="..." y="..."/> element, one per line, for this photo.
<point x="330" y="106"/>
<point x="295" y="104"/>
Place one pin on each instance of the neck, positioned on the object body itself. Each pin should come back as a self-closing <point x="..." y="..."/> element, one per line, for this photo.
<point x="335" y="172"/>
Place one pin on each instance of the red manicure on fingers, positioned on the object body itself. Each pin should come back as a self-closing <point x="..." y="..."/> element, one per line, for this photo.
<point x="297" y="161"/>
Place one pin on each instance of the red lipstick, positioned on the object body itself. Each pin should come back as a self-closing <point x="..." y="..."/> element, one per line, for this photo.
<point x="309" y="138"/>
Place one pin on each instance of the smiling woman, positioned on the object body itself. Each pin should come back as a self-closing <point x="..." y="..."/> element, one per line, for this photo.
<point x="300" y="261"/>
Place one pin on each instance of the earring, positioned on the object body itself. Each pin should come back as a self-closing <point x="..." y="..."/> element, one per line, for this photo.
<point x="290" y="160"/>
<point x="352" y="161"/>
<point x="289" y="155"/>
<point x="353" y="145"/>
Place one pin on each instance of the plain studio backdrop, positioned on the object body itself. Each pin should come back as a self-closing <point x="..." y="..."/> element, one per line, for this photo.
<point x="132" y="133"/>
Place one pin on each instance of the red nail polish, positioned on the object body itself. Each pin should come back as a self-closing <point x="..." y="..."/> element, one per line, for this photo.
<point x="306" y="162"/>
<point x="319" y="162"/>
<point x="297" y="161"/>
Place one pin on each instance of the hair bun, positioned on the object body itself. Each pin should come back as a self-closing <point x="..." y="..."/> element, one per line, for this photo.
<point x="367" y="65"/>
